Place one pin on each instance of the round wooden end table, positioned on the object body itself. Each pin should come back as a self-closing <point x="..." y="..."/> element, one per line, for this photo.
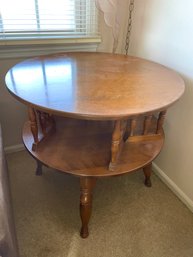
<point x="94" y="115"/>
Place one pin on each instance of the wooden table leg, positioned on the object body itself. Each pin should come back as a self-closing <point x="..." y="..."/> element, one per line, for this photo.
<point x="117" y="140"/>
<point x="86" y="187"/>
<point x="39" y="168"/>
<point x="34" y="127"/>
<point x="42" y="121"/>
<point x="147" y="173"/>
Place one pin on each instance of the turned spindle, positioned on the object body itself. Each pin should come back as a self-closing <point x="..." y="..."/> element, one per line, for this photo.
<point x="53" y="122"/>
<point x="42" y="120"/>
<point x="133" y="126"/>
<point x="147" y="124"/>
<point x="115" y="147"/>
<point x="123" y="127"/>
<point x="160" y="122"/>
<point x="33" y="126"/>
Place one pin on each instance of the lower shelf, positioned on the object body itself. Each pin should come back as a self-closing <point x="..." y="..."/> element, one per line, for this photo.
<point x="82" y="148"/>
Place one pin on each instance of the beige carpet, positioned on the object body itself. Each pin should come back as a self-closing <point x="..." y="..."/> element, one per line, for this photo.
<point x="128" y="218"/>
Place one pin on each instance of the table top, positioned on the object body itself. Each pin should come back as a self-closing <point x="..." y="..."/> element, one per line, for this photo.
<point x="94" y="85"/>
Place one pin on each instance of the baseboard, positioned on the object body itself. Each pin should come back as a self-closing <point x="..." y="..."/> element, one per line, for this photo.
<point x="14" y="148"/>
<point x="175" y="189"/>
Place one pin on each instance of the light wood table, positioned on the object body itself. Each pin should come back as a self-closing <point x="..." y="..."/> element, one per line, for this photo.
<point x="94" y="115"/>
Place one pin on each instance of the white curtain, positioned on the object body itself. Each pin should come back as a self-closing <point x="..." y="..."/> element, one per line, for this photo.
<point x="112" y="16"/>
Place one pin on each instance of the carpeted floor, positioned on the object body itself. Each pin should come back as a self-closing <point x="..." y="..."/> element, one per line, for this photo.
<point x="128" y="218"/>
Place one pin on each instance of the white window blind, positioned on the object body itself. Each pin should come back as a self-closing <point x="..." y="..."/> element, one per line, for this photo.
<point x="26" y="19"/>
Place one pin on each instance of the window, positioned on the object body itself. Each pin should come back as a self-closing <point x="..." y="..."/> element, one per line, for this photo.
<point x="32" y="19"/>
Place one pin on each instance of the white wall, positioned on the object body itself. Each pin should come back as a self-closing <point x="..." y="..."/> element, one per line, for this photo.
<point x="163" y="32"/>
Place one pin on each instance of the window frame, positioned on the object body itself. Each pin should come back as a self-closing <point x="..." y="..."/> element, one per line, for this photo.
<point x="51" y="36"/>
<point x="11" y="48"/>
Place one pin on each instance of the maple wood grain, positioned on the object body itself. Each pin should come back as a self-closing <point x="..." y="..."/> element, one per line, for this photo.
<point x="94" y="85"/>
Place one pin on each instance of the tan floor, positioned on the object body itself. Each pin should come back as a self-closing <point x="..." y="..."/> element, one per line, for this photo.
<point x="128" y="218"/>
